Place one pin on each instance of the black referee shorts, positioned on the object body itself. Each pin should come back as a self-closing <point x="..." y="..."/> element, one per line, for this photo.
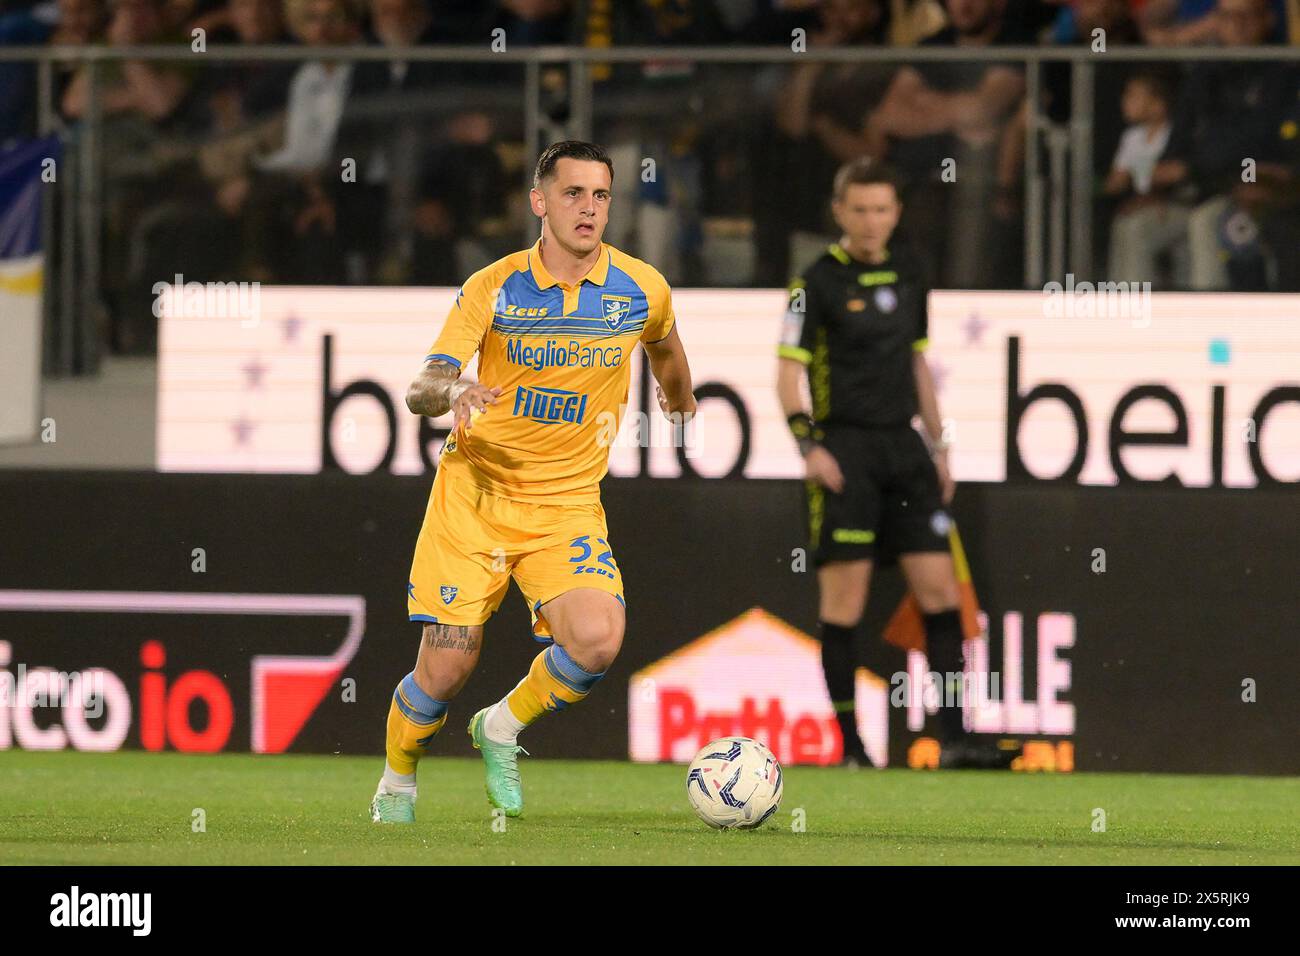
<point x="891" y="503"/>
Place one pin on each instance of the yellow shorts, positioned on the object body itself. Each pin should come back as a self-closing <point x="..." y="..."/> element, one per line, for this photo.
<point x="473" y="542"/>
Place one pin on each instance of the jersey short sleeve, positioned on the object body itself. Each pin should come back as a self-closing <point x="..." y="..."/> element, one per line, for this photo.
<point x="467" y="322"/>
<point x="659" y="299"/>
<point x="799" y="327"/>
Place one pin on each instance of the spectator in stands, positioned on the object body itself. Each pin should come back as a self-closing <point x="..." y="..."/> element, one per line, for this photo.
<point x="1280" y="229"/>
<point x="1092" y="23"/>
<point x="180" y="16"/>
<point x="615" y="23"/>
<point x="1178" y="22"/>
<point x="199" y="224"/>
<point x="829" y="100"/>
<point x="143" y="104"/>
<point x="319" y="88"/>
<point x="1225" y="147"/>
<point x="660" y="217"/>
<point x="405" y="23"/>
<point x="965" y="101"/>
<point x="390" y="128"/>
<point x="65" y="23"/>
<point x="239" y="93"/>
<point x="294" y="198"/>
<point x="1200" y="22"/>
<point x="1079" y="20"/>
<point x="137" y="88"/>
<point x="948" y="128"/>
<point x="533" y="22"/>
<point x="1148" y="223"/>
<point x="461" y="204"/>
<point x="466" y="20"/>
<point x="909" y="21"/>
<point x="817" y="118"/>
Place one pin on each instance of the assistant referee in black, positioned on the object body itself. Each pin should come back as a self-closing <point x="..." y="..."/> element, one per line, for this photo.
<point x="856" y="326"/>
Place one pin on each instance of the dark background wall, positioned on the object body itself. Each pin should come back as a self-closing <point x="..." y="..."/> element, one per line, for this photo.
<point x="1198" y="594"/>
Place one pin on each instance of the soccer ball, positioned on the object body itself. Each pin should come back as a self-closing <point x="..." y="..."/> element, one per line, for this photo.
<point x="734" y="782"/>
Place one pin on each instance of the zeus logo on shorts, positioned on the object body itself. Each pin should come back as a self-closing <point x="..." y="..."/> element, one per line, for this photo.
<point x="557" y="355"/>
<point x="550" y="406"/>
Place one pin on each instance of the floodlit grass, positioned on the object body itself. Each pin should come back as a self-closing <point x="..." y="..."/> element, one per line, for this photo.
<point x="139" y="808"/>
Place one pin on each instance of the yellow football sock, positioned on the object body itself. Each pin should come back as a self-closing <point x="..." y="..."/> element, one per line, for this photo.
<point x="554" y="682"/>
<point x="413" y="718"/>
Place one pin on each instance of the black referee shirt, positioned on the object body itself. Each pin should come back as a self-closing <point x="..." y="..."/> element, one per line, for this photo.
<point x="856" y="326"/>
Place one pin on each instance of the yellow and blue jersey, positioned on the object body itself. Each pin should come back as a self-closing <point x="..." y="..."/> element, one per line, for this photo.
<point x="561" y="356"/>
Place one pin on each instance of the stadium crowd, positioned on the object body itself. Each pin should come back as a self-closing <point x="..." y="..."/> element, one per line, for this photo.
<point x="330" y="171"/>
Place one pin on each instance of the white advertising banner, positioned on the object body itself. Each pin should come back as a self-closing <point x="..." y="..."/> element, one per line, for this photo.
<point x="1201" y="389"/>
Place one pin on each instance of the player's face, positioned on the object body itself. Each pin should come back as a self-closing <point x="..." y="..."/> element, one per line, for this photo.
<point x="868" y="214"/>
<point x="574" y="204"/>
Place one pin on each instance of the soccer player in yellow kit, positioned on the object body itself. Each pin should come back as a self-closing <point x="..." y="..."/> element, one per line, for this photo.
<point x="517" y="491"/>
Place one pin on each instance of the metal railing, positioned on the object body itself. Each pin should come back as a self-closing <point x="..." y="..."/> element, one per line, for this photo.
<point x="1058" y="227"/>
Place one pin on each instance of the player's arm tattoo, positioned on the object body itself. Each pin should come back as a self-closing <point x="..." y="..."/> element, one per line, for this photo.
<point x="451" y="637"/>
<point x="434" y="389"/>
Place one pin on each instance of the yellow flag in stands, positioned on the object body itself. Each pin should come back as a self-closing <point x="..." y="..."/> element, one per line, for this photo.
<point x="906" y="629"/>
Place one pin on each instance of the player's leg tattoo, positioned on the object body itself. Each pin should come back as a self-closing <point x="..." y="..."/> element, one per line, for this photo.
<point x="451" y="637"/>
<point x="448" y="654"/>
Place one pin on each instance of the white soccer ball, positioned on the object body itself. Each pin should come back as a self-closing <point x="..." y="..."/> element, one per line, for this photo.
<point x="734" y="782"/>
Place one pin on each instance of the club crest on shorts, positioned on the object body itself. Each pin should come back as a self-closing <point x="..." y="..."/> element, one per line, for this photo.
<point x="448" y="593"/>
<point x="940" y="523"/>
<point x="615" y="308"/>
<point x="886" y="299"/>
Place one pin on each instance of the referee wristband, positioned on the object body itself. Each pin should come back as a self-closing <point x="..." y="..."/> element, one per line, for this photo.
<point x="805" y="431"/>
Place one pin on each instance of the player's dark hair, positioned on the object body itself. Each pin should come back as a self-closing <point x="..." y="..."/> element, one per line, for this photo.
<point x="863" y="171"/>
<point x="569" y="149"/>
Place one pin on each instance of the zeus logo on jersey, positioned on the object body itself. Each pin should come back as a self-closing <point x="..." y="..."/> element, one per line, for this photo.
<point x="557" y="355"/>
<point x="550" y="406"/>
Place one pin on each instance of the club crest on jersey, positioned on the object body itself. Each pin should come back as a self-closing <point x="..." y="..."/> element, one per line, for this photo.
<point x="886" y="299"/>
<point x="615" y="308"/>
<point x="448" y="593"/>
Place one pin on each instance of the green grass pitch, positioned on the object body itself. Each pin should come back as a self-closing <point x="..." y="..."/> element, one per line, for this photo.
<point x="137" y="808"/>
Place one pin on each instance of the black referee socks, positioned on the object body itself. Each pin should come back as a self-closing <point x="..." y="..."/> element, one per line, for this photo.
<point x="837" y="665"/>
<point x="943" y="649"/>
